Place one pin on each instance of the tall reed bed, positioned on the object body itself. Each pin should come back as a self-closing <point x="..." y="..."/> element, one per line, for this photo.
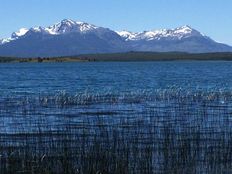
<point x="163" y="131"/>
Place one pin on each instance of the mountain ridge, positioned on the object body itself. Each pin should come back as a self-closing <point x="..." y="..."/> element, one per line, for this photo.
<point x="70" y="37"/>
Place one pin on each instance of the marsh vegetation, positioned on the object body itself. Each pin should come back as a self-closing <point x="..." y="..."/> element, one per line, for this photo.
<point x="166" y="131"/>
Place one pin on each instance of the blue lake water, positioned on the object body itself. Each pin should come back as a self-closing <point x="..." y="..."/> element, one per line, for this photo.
<point x="141" y="112"/>
<point x="121" y="89"/>
<point x="34" y="78"/>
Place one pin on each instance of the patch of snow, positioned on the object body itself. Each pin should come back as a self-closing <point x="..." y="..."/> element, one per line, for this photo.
<point x="37" y="29"/>
<point x="50" y="31"/>
<point x="127" y="35"/>
<point x="20" y="33"/>
<point x="183" y="30"/>
<point x="7" y="40"/>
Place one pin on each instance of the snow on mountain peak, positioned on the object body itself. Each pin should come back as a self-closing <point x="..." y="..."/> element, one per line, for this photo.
<point x="19" y="33"/>
<point x="127" y="35"/>
<point x="184" y="30"/>
<point x="67" y="26"/>
<point x="63" y="27"/>
<point x="68" y="21"/>
<point x="173" y="34"/>
<point x="3" y="41"/>
<point x="37" y="29"/>
<point x="14" y="36"/>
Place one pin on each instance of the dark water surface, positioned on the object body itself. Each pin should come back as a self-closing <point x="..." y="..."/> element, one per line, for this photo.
<point x="116" y="117"/>
<point x="114" y="76"/>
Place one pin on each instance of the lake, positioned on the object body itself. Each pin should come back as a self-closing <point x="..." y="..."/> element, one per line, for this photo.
<point x="114" y="76"/>
<point x="116" y="117"/>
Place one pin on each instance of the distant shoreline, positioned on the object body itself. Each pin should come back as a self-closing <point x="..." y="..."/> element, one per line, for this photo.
<point x="125" y="57"/>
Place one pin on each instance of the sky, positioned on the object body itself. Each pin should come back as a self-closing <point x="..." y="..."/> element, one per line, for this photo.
<point x="211" y="17"/>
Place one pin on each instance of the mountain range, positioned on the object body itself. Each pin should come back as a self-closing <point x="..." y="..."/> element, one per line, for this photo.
<point x="69" y="37"/>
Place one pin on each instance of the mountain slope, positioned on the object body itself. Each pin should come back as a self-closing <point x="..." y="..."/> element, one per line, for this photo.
<point x="65" y="38"/>
<point x="182" y="39"/>
<point x="72" y="38"/>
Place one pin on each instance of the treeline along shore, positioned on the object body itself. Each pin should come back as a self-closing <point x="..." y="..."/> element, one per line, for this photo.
<point x="128" y="56"/>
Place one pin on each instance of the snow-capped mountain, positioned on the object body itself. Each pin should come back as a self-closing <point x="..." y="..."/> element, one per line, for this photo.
<point x="172" y="34"/>
<point x="69" y="37"/>
<point x="181" y="39"/>
<point x="67" y="26"/>
<point x="14" y="36"/>
<point x="64" y="27"/>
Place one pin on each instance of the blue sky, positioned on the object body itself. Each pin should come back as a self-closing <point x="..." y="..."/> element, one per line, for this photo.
<point x="212" y="17"/>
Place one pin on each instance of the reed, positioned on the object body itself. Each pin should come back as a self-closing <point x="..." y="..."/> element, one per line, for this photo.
<point x="162" y="131"/>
